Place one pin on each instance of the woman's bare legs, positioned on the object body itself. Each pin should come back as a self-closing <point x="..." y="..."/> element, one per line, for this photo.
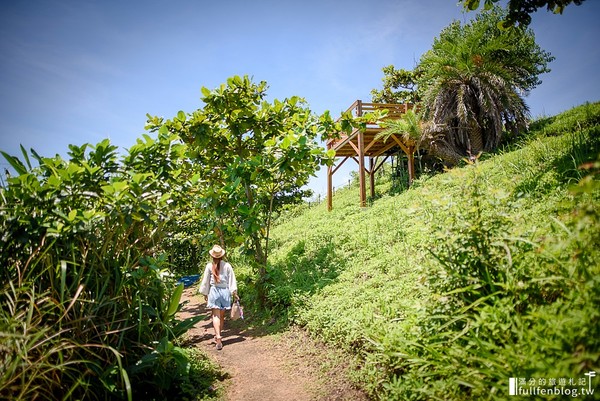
<point x="217" y="324"/>
<point x="218" y="320"/>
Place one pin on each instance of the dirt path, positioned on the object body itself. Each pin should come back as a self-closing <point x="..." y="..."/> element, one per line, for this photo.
<point x="284" y="367"/>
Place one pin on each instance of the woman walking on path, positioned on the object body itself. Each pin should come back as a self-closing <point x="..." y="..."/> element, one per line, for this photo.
<point x="218" y="287"/>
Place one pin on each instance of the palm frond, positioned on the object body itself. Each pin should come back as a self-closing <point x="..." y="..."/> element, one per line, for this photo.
<point x="472" y="80"/>
<point x="408" y="128"/>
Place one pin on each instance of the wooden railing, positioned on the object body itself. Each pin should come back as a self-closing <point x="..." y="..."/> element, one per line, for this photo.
<point x="360" y="108"/>
<point x="363" y="142"/>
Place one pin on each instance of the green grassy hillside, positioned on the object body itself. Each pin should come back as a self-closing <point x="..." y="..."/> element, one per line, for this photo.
<point x="471" y="277"/>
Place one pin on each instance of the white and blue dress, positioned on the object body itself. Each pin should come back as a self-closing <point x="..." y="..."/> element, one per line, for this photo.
<point x="219" y="294"/>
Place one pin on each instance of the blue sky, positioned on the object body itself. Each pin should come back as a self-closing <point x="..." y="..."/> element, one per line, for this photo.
<point x="79" y="71"/>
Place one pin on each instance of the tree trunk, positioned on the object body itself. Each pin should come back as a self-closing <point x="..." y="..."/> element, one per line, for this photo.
<point x="220" y="235"/>
<point x="259" y="253"/>
<point x="445" y="152"/>
<point x="475" y="139"/>
<point x="259" y="258"/>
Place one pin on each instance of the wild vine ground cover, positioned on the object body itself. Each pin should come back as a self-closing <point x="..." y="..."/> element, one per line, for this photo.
<point x="484" y="273"/>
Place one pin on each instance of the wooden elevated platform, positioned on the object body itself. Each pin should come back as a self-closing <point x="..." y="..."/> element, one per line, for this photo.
<point x="361" y="143"/>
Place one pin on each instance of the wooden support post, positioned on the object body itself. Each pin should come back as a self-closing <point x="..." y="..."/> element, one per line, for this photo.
<point x="372" y="176"/>
<point x="411" y="165"/>
<point x="361" y="169"/>
<point x="329" y="188"/>
<point x="361" y="159"/>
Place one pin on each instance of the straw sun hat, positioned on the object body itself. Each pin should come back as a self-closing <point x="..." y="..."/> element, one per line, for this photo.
<point x="217" y="252"/>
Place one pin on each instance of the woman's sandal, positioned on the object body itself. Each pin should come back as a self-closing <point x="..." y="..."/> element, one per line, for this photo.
<point x="219" y="343"/>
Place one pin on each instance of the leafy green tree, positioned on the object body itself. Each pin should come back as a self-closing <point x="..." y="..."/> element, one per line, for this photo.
<point x="399" y="86"/>
<point x="519" y="11"/>
<point x="252" y="156"/>
<point x="473" y="81"/>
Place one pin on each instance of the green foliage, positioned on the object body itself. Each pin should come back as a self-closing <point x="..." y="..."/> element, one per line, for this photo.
<point x="472" y="80"/>
<point x="471" y="277"/>
<point x="519" y="11"/>
<point x="156" y="371"/>
<point x="576" y="119"/>
<point x="170" y="372"/>
<point x="301" y="274"/>
<point x="199" y="383"/>
<point x="473" y="251"/>
<point x="83" y="301"/>
<point x="409" y="127"/>
<point x="499" y="306"/>
<point x="469" y="86"/>
<point x="399" y="86"/>
<point x="253" y="157"/>
<point x="39" y="360"/>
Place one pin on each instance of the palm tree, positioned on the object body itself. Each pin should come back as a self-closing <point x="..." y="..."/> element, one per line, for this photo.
<point x="473" y="81"/>
<point x="408" y="127"/>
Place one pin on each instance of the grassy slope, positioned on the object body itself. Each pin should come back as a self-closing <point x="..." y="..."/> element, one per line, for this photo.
<point x="358" y="278"/>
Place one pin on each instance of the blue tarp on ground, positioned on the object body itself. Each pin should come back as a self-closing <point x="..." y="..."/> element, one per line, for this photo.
<point x="189" y="280"/>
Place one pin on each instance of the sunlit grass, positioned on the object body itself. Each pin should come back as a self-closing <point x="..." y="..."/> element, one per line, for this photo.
<point x="380" y="300"/>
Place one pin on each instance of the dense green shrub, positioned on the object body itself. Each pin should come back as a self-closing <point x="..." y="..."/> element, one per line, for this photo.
<point x="505" y="307"/>
<point x="87" y="307"/>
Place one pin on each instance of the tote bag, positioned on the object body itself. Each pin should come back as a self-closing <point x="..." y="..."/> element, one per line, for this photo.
<point x="236" y="311"/>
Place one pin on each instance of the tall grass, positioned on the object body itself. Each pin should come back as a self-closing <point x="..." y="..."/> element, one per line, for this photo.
<point x="471" y="277"/>
<point x="87" y="310"/>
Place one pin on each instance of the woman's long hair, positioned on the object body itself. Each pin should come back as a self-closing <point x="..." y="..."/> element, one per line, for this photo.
<point x="216" y="269"/>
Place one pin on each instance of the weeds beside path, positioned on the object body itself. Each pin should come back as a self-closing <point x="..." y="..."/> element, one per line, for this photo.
<point x="288" y="366"/>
